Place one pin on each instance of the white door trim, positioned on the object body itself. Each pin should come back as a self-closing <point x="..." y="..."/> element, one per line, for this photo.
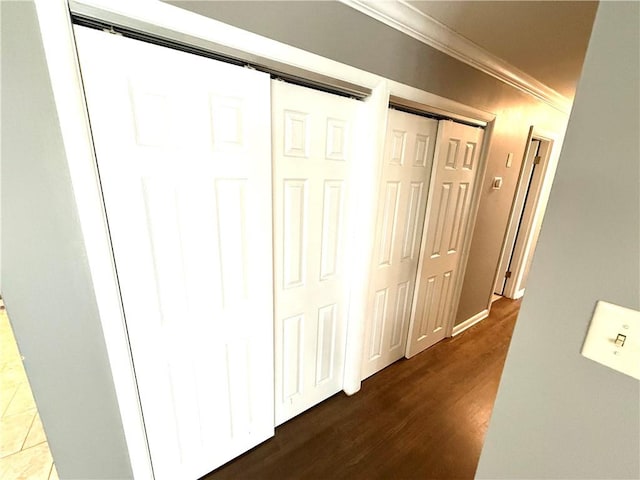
<point x="517" y="206"/>
<point x="62" y="62"/>
<point x="550" y="146"/>
<point x="530" y="226"/>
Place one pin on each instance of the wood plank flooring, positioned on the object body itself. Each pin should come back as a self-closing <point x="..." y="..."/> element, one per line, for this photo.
<point x="423" y="418"/>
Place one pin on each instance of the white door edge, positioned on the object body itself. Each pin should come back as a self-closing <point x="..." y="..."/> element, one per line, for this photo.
<point x="372" y="125"/>
<point x="62" y="62"/>
<point x="423" y="241"/>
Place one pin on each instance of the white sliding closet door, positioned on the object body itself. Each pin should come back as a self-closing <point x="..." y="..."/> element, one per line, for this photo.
<point x="402" y="199"/>
<point x="313" y="144"/>
<point x="456" y="167"/>
<point x="184" y="155"/>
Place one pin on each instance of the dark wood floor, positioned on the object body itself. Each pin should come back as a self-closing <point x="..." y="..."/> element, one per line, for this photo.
<point x="423" y="418"/>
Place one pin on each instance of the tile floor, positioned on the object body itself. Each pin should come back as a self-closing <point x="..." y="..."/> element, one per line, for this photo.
<point x="24" y="452"/>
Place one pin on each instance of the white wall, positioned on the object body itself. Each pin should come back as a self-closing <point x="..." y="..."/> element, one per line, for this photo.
<point x="45" y="276"/>
<point x="559" y="415"/>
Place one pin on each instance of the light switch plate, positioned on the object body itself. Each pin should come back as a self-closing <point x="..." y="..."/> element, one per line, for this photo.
<point x="608" y="322"/>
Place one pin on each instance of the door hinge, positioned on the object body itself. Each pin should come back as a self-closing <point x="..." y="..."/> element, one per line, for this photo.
<point x="537" y="160"/>
<point x="507" y="275"/>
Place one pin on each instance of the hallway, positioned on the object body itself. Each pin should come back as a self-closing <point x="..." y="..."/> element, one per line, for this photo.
<point x="419" y="418"/>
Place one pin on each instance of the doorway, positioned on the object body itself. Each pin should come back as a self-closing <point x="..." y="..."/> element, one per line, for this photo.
<point x="525" y="219"/>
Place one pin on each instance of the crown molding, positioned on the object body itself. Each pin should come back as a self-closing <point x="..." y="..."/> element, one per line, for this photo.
<point x="411" y="21"/>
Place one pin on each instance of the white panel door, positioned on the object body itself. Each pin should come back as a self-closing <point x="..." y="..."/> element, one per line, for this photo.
<point x="456" y="166"/>
<point x="313" y="144"/>
<point x="402" y="200"/>
<point x="183" y="150"/>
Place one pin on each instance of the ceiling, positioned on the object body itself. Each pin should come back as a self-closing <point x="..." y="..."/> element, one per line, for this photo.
<point x="545" y="39"/>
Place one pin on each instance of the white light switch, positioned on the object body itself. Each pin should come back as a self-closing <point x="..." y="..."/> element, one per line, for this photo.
<point x="496" y="184"/>
<point x="614" y="338"/>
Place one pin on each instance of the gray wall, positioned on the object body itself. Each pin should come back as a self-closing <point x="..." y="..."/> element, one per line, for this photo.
<point x="559" y="415"/>
<point x="338" y="32"/>
<point x="45" y="276"/>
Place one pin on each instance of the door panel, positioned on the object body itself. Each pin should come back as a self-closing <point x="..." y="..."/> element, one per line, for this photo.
<point x="402" y="201"/>
<point x="183" y="150"/>
<point x="312" y="150"/>
<point x="456" y="164"/>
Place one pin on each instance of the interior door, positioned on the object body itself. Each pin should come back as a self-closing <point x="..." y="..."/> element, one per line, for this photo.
<point x="402" y="200"/>
<point x="456" y="165"/>
<point x="524" y="242"/>
<point x="313" y="145"/>
<point x="519" y="202"/>
<point x="184" y="155"/>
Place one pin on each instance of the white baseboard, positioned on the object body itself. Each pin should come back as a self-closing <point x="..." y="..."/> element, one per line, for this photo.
<point x="470" y="322"/>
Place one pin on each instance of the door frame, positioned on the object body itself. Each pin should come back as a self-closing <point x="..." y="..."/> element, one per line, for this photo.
<point x="538" y="193"/>
<point x="162" y="20"/>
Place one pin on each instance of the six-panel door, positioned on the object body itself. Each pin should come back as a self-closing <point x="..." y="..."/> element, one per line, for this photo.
<point x="313" y="146"/>
<point x="402" y="199"/>
<point x="456" y="161"/>
<point x="184" y="156"/>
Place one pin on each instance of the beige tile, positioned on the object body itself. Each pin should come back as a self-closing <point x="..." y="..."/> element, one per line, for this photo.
<point x="6" y="395"/>
<point x="11" y="369"/>
<point x="11" y="363"/>
<point x="4" y="321"/>
<point x="12" y="375"/>
<point x="8" y="346"/>
<point x="36" y="434"/>
<point x="22" y="401"/>
<point x="31" y="464"/>
<point x="54" y="473"/>
<point x="15" y="429"/>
